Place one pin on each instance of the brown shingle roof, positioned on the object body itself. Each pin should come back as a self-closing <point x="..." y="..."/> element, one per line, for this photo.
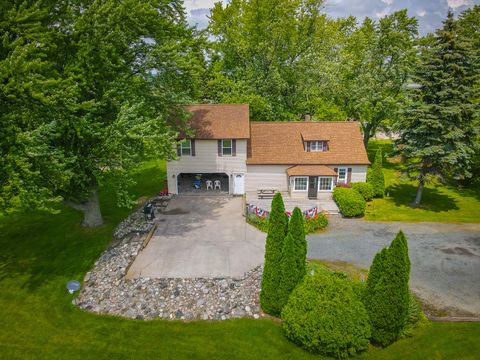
<point x="282" y="143"/>
<point x="220" y="121"/>
<point x="311" y="170"/>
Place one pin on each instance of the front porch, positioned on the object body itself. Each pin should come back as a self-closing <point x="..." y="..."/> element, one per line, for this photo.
<point x="324" y="202"/>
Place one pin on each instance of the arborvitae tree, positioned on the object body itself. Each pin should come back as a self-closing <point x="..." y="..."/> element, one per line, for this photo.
<point x="277" y="229"/>
<point x="289" y="277"/>
<point x="439" y="129"/>
<point x="296" y="228"/>
<point x="387" y="292"/>
<point x="375" y="175"/>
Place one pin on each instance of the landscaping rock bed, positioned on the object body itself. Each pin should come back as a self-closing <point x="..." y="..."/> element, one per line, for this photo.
<point x="106" y="290"/>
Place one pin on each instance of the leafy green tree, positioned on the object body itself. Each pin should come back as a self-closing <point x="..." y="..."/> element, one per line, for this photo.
<point x="440" y="124"/>
<point x="387" y="295"/>
<point x="375" y="175"/>
<point x="277" y="230"/>
<point x="102" y="83"/>
<point x="296" y="229"/>
<point x="375" y="60"/>
<point x="289" y="276"/>
<point x="260" y="52"/>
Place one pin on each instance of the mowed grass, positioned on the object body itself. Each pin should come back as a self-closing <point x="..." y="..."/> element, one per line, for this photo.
<point x="41" y="252"/>
<point x="440" y="202"/>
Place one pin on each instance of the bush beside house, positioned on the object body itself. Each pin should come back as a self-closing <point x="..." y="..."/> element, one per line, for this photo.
<point x="364" y="189"/>
<point x="375" y="175"/>
<point x="313" y="224"/>
<point x="325" y="316"/>
<point x="349" y="201"/>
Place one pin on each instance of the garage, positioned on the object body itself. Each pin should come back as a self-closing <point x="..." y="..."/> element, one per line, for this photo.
<point x="203" y="183"/>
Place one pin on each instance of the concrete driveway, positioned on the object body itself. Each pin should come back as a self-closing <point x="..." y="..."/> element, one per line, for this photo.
<point x="445" y="258"/>
<point x="201" y="236"/>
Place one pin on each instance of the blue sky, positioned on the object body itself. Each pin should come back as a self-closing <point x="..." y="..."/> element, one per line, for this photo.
<point x="429" y="13"/>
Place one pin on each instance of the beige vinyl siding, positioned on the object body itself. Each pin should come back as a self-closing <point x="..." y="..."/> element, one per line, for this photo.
<point x="266" y="177"/>
<point x="359" y="172"/>
<point x="206" y="160"/>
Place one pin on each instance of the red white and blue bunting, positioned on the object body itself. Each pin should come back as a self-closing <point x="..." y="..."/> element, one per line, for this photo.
<point x="261" y="213"/>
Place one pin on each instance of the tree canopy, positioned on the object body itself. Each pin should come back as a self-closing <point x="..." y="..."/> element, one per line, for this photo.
<point x="88" y="89"/>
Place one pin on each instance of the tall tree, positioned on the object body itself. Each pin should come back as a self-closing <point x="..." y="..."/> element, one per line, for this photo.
<point x="288" y="272"/>
<point x="296" y="228"/>
<point x="375" y="60"/>
<point x="387" y="291"/>
<point x="440" y="124"/>
<point x="375" y="175"/>
<point x="261" y="49"/>
<point x="271" y="278"/>
<point x="109" y="74"/>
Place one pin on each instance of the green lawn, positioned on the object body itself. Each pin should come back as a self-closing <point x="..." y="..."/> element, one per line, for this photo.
<point x="41" y="252"/>
<point x="440" y="203"/>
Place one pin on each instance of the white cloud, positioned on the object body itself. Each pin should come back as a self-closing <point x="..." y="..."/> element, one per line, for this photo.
<point x="198" y="4"/>
<point x="382" y="13"/>
<point x="421" y="12"/>
<point x="457" y="3"/>
<point x="388" y="2"/>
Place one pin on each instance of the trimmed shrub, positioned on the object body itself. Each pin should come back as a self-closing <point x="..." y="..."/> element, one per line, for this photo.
<point x="296" y="228"/>
<point x="324" y="316"/>
<point x="387" y="297"/>
<point x="289" y="272"/>
<point x="375" y="175"/>
<point x="277" y="229"/>
<point x="318" y="222"/>
<point x="349" y="201"/>
<point x="364" y="189"/>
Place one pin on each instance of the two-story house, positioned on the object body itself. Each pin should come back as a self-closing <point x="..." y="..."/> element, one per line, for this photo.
<point x="301" y="158"/>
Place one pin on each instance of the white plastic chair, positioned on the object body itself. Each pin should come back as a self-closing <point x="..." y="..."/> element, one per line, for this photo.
<point x="209" y="184"/>
<point x="217" y="185"/>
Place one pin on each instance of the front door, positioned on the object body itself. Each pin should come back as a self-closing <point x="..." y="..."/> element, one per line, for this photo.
<point x="239" y="184"/>
<point x="312" y="187"/>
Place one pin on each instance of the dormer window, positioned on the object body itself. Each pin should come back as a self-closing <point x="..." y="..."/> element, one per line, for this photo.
<point x="317" y="145"/>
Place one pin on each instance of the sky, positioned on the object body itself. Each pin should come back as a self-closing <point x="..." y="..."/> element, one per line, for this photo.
<point x="429" y="13"/>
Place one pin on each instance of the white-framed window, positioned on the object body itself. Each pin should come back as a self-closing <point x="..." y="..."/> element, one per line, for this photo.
<point x="325" y="183"/>
<point x="342" y="175"/>
<point x="300" y="183"/>
<point x="227" y="147"/>
<point x="318" y="145"/>
<point x="186" y="147"/>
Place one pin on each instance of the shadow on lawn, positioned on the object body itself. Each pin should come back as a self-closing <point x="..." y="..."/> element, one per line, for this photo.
<point x="432" y="199"/>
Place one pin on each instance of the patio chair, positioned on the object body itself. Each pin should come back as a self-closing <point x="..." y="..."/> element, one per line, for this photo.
<point x="217" y="185"/>
<point x="197" y="184"/>
<point x="209" y="184"/>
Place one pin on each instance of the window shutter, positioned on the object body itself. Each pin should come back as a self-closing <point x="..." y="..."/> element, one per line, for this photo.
<point x="308" y="146"/>
<point x="219" y="147"/>
<point x="335" y="181"/>
<point x="179" y="150"/>
<point x="349" y="175"/>
<point x="234" y="147"/>
<point x="192" y="142"/>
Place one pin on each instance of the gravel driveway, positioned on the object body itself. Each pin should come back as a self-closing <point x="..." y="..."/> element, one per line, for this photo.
<point x="445" y="257"/>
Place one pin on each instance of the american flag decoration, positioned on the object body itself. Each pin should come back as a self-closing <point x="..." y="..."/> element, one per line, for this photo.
<point x="289" y="214"/>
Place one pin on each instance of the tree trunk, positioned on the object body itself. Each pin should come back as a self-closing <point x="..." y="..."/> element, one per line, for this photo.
<point x="92" y="215"/>
<point x="418" y="197"/>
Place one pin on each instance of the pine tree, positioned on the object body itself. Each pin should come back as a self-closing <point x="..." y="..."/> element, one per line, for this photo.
<point x="296" y="228"/>
<point x="289" y="277"/>
<point x="387" y="292"/>
<point x="375" y="175"/>
<point x="277" y="229"/>
<point x="439" y="127"/>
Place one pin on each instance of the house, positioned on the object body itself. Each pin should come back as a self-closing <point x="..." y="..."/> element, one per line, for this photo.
<point x="302" y="158"/>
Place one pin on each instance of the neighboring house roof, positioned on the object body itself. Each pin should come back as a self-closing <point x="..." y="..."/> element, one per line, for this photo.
<point x="283" y="143"/>
<point x="220" y="121"/>
<point x="310" y="170"/>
